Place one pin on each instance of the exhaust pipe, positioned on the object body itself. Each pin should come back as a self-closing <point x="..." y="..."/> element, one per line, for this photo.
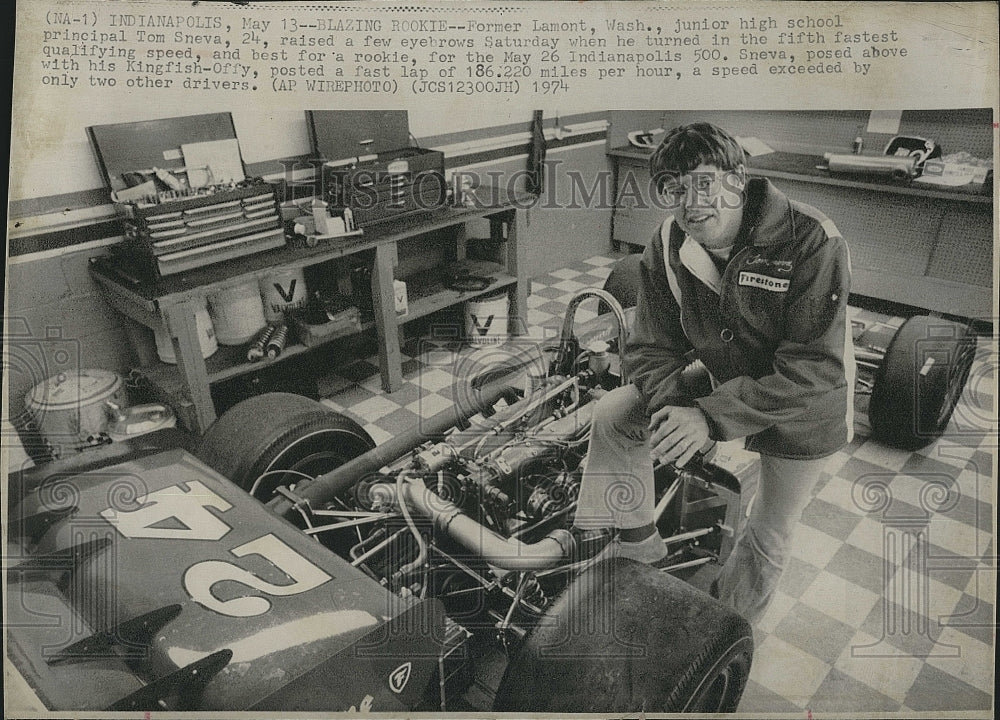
<point x="327" y="486"/>
<point x="506" y="553"/>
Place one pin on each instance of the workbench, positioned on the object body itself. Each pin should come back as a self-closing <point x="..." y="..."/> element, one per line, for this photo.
<point x="171" y="302"/>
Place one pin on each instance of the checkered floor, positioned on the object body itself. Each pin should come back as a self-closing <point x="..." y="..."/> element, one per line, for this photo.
<point x="888" y="603"/>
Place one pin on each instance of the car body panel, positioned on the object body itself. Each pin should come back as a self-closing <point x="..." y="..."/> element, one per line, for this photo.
<point x="166" y="530"/>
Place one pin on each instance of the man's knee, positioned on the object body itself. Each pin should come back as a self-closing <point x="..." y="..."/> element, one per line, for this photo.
<point x="621" y="411"/>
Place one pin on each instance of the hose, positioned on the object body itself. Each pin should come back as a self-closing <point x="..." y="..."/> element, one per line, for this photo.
<point x="421" y="543"/>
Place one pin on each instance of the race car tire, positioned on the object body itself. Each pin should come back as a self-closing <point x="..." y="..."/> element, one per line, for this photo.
<point x="920" y="381"/>
<point x="280" y="431"/>
<point x="627" y="638"/>
<point x="622" y="283"/>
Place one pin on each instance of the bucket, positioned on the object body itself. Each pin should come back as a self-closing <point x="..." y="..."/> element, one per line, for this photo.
<point x="73" y="409"/>
<point x="206" y="338"/>
<point x="283" y="292"/>
<point x="237" y="313"/>
<point x="486" y="319"/>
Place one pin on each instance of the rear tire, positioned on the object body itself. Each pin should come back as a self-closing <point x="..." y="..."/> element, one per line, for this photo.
<point x="626" y="638"/>
<point x="920" y="381"/>
<point x="280" y="431"/>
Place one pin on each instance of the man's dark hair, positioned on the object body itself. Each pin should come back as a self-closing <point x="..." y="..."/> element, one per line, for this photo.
<point x="686" y="147"/>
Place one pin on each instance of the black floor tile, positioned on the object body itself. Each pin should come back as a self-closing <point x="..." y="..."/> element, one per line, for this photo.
<point x="818" y="634"/>
<point x="935" y="689"/>
<point x="840" y="693"/>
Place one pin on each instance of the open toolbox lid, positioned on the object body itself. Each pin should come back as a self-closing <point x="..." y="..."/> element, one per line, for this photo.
<point x="129" y="147"/>
<point x="339" y="134"/>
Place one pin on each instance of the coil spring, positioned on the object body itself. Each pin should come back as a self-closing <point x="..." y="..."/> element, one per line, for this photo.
<point x="277" y="342"/>
<point x="256" y="349"/>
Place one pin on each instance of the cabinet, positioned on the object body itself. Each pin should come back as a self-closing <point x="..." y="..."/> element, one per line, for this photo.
<point x="927" y="247"/>
<point x="172" y="301"/>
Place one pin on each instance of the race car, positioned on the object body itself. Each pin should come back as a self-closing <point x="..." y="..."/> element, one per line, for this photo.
<point x="290" y="564"/>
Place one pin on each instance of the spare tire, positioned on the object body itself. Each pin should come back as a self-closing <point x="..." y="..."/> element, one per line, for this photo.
<point x="626" y="638"/>
<point x="277" y="432"/>
<point x="920" y="381"/>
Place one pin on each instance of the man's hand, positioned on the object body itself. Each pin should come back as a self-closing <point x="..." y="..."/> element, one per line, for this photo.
<point x="677" y="433"/>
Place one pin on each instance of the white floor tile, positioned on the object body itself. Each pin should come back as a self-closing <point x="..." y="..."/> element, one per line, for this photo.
<point x="879" y="665"/>
<point x="788" y="671"/>
<point x="975" y="661"/>
<point x="840" y="599"/>
<point x="429" y="405"/>
<point x="840" y="492"/>
<point x="814" y="546"/>
<point x="375" y="408"/>
<point x="565" y="273"/>
<point x="434" y="379"/>
<point x="870" y="535"/>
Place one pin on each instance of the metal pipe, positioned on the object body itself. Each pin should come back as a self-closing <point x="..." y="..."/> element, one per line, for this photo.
<point x="345" y="524"/>
<point x="667" y="497"/>
<point x="616" y="309"/>
<point x="689" y="563"/>
<point x="869" y="356"/>
<point x="680" y="537"/>
<point x="900" y="168"/>
<point x="505" y="553"/>
<point x="329" y="485"/>
<point x="378" y="548"/>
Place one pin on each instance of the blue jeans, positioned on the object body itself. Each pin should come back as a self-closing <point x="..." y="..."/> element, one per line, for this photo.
<point x="616" y="490"/>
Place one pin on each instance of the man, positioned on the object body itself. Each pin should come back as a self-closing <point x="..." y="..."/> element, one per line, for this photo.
<point x="755" y="286"/>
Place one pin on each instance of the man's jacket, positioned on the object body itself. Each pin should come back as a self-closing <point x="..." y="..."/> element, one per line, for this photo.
<point x="771" y="327"/>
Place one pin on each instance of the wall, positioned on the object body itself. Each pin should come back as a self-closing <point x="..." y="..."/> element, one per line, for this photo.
<point x="60" y="217"/>
<point x="816" y="132"/>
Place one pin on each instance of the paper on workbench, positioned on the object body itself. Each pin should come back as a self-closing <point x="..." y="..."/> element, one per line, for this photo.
<point x="222" y="156"/>
<point x="754" y="146"/>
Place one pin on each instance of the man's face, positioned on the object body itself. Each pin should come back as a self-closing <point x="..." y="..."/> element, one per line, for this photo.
<point x="707" y="204"/>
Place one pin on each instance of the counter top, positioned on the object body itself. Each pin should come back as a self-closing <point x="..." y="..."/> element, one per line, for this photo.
<point x="811" y="168"/>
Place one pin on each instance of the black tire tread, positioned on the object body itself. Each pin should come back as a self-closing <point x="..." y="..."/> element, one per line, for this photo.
<point x="682" y="634"/>
<point x="242" y="443"/>
<point x="623" y="283"/>
<point x="905" y="411"/>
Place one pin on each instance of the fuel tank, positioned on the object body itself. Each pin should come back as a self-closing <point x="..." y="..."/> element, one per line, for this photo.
<point x="157" y="584"/>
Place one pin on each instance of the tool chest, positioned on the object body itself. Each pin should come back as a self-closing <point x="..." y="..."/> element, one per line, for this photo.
<point x="171" y="222"/>
<point x="370" y="167"/>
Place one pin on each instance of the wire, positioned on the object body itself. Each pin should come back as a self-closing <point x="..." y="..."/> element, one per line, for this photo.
<point x="256" y="483"/>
